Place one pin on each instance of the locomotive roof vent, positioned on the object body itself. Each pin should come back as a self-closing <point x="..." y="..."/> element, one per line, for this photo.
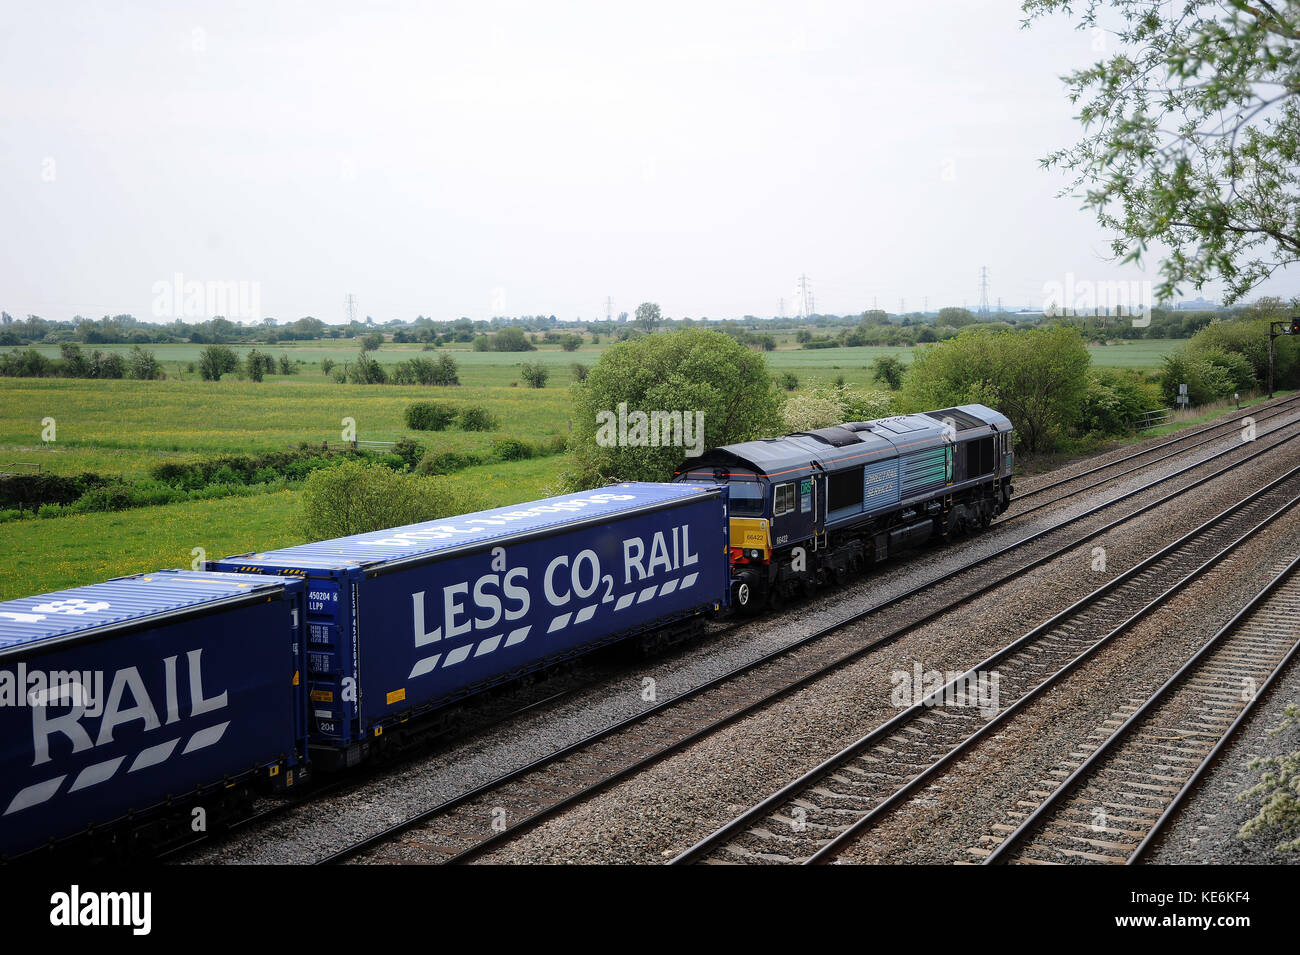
<point x="836" y="437"/>
<point x="961" y="420"/>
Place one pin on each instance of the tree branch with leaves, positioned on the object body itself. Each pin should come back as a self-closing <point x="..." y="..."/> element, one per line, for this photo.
<point x="1191" y="135"/>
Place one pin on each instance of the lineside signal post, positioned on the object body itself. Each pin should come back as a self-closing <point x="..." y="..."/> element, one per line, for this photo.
<point x="1291" y="327"/>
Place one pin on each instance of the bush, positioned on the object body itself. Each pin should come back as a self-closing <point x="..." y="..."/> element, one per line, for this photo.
<point x="579" y="371"/>
<point x="477" y="418"/>
<point x="1113" y="401"/>
<point x="426" y="371"/>
<point x="142" y="364"/>
<point x="1205" y="382"/>
<point x="430" y="416"/>
<point x="366" y="371"/>
<point x="325" y="365"/>
<point x="809" y="412"/>
<point x="1277" y="792"/>
<point x="446" y="462"/>
<point x="789" y="381"/>
<point x="535" y="374"/>
<point x="409" y="452"/>
<point x="511" y="449"/>
<point x="110" y="497"/>
<point x="226" y="475"/>
<point x="107" y="365"/>
<point x="26" y="364"/>
<point x="1249" y="339"/>
<point x="357" y="498"/>
<point x="30" y="491"/>
<point x="254" y="367"/>
<point x="512" y="339"/>
<point x="217" y="360"/>
<point x="823" y="406"/>
<point x="890" y="370"/>
<point x="1235" y="364"/>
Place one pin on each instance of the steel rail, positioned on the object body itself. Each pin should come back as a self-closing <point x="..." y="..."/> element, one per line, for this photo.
<point x="1123" y="731"/>
<point x="780" y="797"/>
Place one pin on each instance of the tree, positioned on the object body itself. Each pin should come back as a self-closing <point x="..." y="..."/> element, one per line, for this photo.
<point x="107" y="365"/>
<point x="511" y="339"/>
<point x="535" y="374"/>
<point x="366" y="371"/>
<point x="217" y="360"/>
<point x="1190" y="131"/>
<point x="955" y="317"/>
<point x="372" y="341"/>
<point x="253" y="365"/>
<point x="685" y="371"/>
<point x="1036" y="377"/>
<point x="1249" y="339"/>
<point x="75" y="364"/>
<point x="824" y="405"/>
<point x="647" y="316"/>
<point x="890" y="370"/>
<point x="143" y="365"/>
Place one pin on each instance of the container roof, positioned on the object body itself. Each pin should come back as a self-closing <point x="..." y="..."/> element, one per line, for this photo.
<point x="456" y="533"/>
<point x="122" y="601"/>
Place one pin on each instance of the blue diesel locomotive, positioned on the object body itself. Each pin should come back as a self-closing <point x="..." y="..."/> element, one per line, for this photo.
<point x="822" y="505"/>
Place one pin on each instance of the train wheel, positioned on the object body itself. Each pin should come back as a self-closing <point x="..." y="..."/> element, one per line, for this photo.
<point x="742" y="597"/>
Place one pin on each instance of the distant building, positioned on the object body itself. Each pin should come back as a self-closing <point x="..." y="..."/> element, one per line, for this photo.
<point x="1197" y="304"/>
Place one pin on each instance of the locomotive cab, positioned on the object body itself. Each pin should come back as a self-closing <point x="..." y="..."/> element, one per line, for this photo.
<point x="774" y="505"/>
<point x="750" y="510"/>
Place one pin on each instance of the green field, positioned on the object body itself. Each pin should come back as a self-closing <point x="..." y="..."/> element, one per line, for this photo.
<point x="498" y="369"/>
<point x="49" y="554"/>
<point x="122" y="427"/>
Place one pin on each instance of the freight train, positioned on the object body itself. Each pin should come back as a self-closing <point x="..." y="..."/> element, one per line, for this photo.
<point x="139" y="709"/>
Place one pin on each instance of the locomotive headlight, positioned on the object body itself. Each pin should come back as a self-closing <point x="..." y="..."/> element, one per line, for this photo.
<point x="753" y="555"/>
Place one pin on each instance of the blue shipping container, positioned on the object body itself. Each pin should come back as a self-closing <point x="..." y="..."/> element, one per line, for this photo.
<point x="116" y="696"/>
<point x="407" y="619"/>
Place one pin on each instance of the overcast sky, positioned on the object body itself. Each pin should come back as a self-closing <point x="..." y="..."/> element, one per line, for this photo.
<point x="487" y="158"/>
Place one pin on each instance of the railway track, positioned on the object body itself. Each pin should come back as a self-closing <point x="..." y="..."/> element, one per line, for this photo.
<point x="815" y="817"/>
<point x="1119" y="796"/>
<point x="1269" y="411"/>
<point x="464" y="827"/>
<point x="1284" y="407"/>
